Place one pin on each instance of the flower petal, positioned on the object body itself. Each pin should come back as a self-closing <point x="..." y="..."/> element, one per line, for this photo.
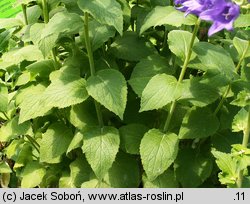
<point x="216" y="27"/>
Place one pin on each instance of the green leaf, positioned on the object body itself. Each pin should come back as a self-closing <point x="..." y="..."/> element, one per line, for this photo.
<point x="33" y="14"/>
<point x="5" y="36"/>
<point x="125" y="6"/>
<point x="246" y="182"/>
<point x="13" y="149"/>
<point x="28" y="53"/>
<point x="240" y="121"/>
<point x="3" y="98"/>
<point x="5" y="180"/>
<point x="215" y="58"/>
<point x="179" y="42"/>
<point x="47" y="43"/>
<point x="55" y="142"/>
<point x="191" y="163"/>
<point x="158" y="151"/>
<point x="76" y="142"/>
<point x="35" y="32"/>
<point x="146" y="69"/>
<point x="23" y="156"/>
<point x="242" y="46"/>
<point x="167" y="15"/>
<point x="99" y="34"/>
<point x="159" y="2"/>
<point x="80" y="171"/>
<point x="32" y="175"/>
<point x="131" y="47"/>
<point x="131" y="136"/>
<point x="105" y="11"/>
<point x="100" y="146"/>
<point x="242" y="21"/>
<point x="223" y="141"/>
<point x="160" y="91"/>
<point x="10" y="23"/>
<point x="11" y="129"/>
<point x="23" y="79"/>
<point x="198" y="93"/>
<point x="72" y="6"/>
<point x="227" y="116"/>
<point x="242" y="100"/>
<point x="42" y="68"/>
<point x="165" y="180"/>
<point x="66" y="89"/>
<point x="5" y="168"/>
<point x="228" y="166"/>
<point x="33" y="107"/>
<point x="94" y="183"/>
<point x="109" y="88"/>
<point x="83" y="115"/>
<point x="66" y="181"/>
<point x="61" y="22"/>
<point x="198" y="123"/>
<point x="124" y="172"/>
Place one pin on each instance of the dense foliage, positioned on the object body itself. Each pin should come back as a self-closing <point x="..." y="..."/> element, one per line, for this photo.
<point x="124" y="93"/>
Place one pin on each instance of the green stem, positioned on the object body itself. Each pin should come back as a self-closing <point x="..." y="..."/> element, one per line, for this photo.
<point x="165" y="39"/>
<point x="91" y="64"/>
<point x="242" y="57"/>
<point x="244" y="144"/>
<point x="247" y="131"/>
<point x="54" y="55"/>
<point x="33" y="142"/>
<point x="182" y="74"/>
<point x="88" y="44"/>
<point x="237" y="69"/>
<point x="45" y="11"/>
<point x="222" y="100"/>
<point x="46" y="20"/>
<point x="24" y="9"/>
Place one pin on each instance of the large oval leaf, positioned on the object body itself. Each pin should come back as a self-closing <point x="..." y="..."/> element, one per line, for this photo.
<point x="160" y="90"/>
<point x="215" y="58"/>
<point x="55" y="142"/>
<point x="198" y="123"/>
<point x="179" y="42"/>
<point x="146" y="69"/>
<point x="109" y="88"/>
<point x="101" y="146"/>
<point x="158" y="151"/>
<point x="199" y="165"/>
<point x="166" y="15"/>
<point x="105" y="11"/>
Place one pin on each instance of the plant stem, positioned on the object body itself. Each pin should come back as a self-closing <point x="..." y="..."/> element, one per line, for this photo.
<point x="56" y="62"/>
<point x="88" y="45"/>
<point x="247" y="131"/>
<point x="242" y="57"/>
<point x="45" y="11"/>
<point x="91" y="64"/>
<point x="24" y="9"/>
<point x="46" y="20"/>
<point x="237" y="69"/>
<point x="222" y="100"/>
<point x="33" y="142"/>
<point x="244" y="144"/>
<point x="182" y="74"/>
